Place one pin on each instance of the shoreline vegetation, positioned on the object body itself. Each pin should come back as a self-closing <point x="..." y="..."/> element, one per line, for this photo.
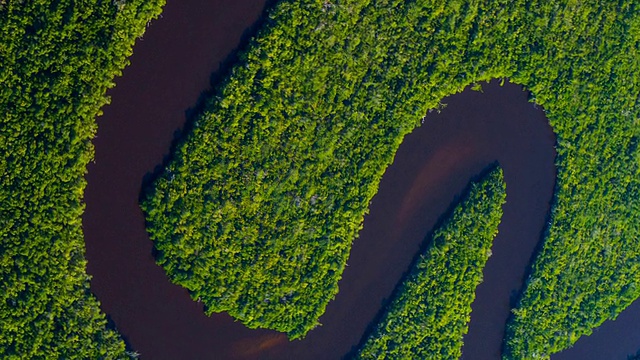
<point x="256" y="212"/>
<point x="58" y="60"/>
<point x="431" y="309"/>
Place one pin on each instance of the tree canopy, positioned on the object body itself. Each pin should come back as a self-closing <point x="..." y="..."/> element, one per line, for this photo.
<point x="430" y="311"/>
<point x="57" y="59"/>
<point x="256" y="212"/>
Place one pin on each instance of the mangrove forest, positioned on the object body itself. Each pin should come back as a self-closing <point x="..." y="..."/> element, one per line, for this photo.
<point x="255" y="210"/>
<point x="256" y="213"/>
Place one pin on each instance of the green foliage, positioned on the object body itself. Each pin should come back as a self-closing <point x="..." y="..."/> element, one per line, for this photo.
<point x="57" y="59"/>
<point x="430" y="312"/>
<point x="588" y="270"/>
<point x="256" y="213"/>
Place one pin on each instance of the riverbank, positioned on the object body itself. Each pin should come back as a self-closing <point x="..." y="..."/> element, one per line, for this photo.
<point x="169" y="71"/>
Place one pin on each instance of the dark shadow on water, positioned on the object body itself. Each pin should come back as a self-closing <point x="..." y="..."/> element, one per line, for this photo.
<point x="614" y="339"/>
<point x="112" y="325"/>
<point x="171" y="70"/>
<point x="216" y="79"/>
<point x="407" y="274"/>
<point x="516" y="294"/>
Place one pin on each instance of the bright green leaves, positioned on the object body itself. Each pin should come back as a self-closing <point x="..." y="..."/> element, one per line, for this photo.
<point x="57" y="59"/>
<point x="256" y="214"/>
<point x="430" y="312"/>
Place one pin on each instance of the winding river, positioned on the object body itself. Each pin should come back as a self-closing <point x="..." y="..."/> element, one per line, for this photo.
<point x="171" y="68"/>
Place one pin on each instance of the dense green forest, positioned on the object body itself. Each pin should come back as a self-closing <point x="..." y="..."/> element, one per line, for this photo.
<point x="57" y="59"/>
<point x="430" y="311"/>
<point x="256" y="212"/>
<point x="588" y="269"/>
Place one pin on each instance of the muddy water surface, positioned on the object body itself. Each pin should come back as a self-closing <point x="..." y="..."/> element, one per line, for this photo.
<point x="170" y="69"/>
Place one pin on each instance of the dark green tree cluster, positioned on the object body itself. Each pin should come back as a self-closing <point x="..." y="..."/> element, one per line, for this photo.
<point x="584" y="69"/>
<point x="57" y="59"/>
<point x="256" y="213"/>
<point x="430" y="311"/>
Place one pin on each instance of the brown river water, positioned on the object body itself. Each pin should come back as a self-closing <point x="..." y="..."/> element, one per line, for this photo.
<point x="170" y="69"/>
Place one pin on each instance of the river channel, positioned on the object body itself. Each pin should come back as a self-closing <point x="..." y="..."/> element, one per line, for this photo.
<point x="171" y="68"/>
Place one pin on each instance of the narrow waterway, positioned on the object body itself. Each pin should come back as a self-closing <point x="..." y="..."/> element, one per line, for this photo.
<point x="170" y="69"/>
<point x="614" y="340"/>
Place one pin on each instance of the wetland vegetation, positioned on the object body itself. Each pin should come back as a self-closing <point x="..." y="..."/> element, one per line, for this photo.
<point x="57" y="60"/>
<point x="431" y="309"/>
<point x="257" y="210"/>
<point x="256" y="213"/>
